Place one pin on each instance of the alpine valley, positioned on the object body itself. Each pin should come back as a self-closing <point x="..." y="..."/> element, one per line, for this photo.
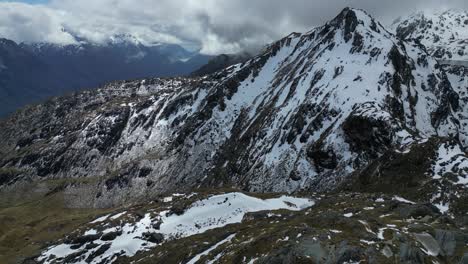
<point x="345" y="144"/>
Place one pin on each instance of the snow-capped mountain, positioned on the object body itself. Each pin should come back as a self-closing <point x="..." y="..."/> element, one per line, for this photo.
<point x="444" y="33"/>
<point x="310" y="112"/>
<point x="131" y="47"/>
<point x="348" y="108"/>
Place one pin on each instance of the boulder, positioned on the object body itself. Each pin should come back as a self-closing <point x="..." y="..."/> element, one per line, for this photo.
<point x="464" y="259"/>
<point x="417" y="210"/>
<point x="101" y="250"/>
<point x="429" y="243"/>
<point x="349" y="254"/>
<point x="446" y="240"/>
<point x="411" y="254"/>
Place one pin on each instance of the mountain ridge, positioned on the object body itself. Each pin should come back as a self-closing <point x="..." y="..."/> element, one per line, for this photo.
<point x="283" y="121"/>
<point x="367" y="130"/>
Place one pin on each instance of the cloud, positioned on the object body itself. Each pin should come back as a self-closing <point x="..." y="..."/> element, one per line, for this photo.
<point x="214" y="26"/>
<point x="30" y="23"/>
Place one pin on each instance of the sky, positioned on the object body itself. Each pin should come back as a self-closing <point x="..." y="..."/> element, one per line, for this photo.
<point x="212" y="26"/>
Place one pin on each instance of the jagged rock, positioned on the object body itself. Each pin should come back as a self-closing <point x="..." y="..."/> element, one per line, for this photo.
<point x="111" y="235"/>
<point x="417" y="210"/>
<point x="451" y="241"/>
<point x="313" y="249"/>
<point x="98" y="252"/>
<point x="349" y="254"/>
<point x="91" y="245"/>
<point x="410" y="254"/>
<point x="416" y="227"/>
<point x="446" y="240"/>
<point x="375" y="233"/>
<point x="366" y="135"/>
<point x="81" y="240"/>
<point x="464" y="259"/>
<point x="153" y="237"/>
<point x="387" y="251"/>
<point x="255" y="215"/>
<point x="429" y="243"/>
<point x="72" y="258"/>
<point x="156" y="225"/>
<point x="322" y="158"/>
<point x="177" y="209"/>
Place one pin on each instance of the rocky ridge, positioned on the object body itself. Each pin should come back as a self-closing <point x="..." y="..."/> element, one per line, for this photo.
<point x="305" y="114"/>
<point x="368" y="126"/>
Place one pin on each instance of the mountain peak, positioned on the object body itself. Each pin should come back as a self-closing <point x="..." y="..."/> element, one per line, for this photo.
<point x="350" y="19"/>
<point x="7" y="42"/>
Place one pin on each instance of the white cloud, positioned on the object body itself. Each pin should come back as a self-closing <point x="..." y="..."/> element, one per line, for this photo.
<point x="23" y="22"/>
<point x="213" y="25"/>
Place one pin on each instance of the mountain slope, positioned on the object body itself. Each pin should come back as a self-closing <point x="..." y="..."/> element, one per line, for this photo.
<point x="220" y="62"/>
<point x="306" y="113"/>
<point x="445" y="36"/>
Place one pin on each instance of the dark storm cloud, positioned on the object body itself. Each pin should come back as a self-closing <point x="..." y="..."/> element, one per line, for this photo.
<point x="213" y="25"/>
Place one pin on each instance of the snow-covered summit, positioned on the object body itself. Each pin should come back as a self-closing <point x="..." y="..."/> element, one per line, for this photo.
<point x="445" y="34"/>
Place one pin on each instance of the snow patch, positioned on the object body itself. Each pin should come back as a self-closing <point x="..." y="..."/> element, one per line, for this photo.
<point x="220" y="210"/>
<point x="213" y="212"/>
<point x="403" y="200"/>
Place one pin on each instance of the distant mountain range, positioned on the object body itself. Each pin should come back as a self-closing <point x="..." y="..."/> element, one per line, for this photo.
<point x="30" y="73"/>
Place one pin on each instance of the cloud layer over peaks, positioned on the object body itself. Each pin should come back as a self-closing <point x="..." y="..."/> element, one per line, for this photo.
<point x="213" y="26"/>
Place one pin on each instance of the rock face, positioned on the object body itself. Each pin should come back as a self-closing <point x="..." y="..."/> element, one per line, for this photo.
<point x="306" y="113"/>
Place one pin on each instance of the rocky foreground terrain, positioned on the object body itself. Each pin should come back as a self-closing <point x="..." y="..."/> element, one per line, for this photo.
<point x="236" y="228"/>
<point x="365" y="129"/>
